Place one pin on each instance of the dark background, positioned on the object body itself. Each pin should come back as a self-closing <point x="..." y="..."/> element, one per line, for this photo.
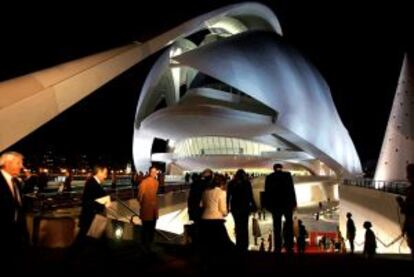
<point x="358" y="48"/>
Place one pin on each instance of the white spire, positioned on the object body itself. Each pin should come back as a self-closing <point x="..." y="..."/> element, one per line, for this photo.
<point x="398" y="145"/>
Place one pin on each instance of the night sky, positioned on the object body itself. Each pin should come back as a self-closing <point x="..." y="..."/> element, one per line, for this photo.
<point x="358" y="49"/>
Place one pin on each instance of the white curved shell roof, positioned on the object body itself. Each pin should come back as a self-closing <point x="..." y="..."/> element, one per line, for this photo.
<point x="263" y="66"/>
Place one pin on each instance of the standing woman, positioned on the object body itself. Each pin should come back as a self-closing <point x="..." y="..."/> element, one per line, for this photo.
<point x="241" y="204"/>
<point x="215" y="241"/>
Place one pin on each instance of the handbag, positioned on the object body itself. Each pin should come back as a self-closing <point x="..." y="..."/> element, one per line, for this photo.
<point x="98" y="226"/>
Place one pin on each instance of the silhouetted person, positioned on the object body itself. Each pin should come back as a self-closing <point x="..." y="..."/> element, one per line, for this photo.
<point x="350" y="231"/>
<point x="67" y="185"/>
<point x="161" y="178"/>
<point x="241" y="203"/>
<point x="262" y="210"/>
<point x="303" y="234"/>
<point x="42" y="181"/>
<point x="13" y="231"/>
<point x="370" y="243"/>
<point x="256" y="229"/>
<point x="148" y="200"/>
<point x="134" y="179"/>
<point x="262" y="247"/>
<point x="187" y="178"/>
<point x="30" y="182"/>
<point x="92" y="190"/>
<point x="339" y="241"/>
<point x="138" y="179"/>
<point x="280" y="200"/>
<point x="270" y="242"/>
<point x="198" y="185"/>
<point x="113" y="180"/>
<point x="194" y="177"/>
<point x="407" y="208"/>
<point x="323" y="243"/>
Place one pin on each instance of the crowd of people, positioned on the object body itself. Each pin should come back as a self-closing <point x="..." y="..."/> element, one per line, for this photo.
<point x="212" y="197"/>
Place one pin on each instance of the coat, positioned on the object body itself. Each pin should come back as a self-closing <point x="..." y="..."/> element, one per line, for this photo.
<point x="13" y="230"/>
<point x="279" y="192"/>
<point x="92" y="191"/>
<point x="148" y="200"/>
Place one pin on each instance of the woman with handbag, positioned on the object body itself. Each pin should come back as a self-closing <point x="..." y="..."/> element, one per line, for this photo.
<point x="241" y="203"/>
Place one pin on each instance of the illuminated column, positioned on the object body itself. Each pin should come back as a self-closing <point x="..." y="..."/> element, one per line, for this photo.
<point x="398" y="146"/>
<point x="141" y="149"/>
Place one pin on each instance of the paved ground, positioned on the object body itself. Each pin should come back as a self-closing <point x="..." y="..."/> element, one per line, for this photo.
<point x="327" y="223"/>
<point x="172" y="260"/>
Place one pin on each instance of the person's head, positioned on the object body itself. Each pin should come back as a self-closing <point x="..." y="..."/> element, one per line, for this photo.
<point x="240" y="175"/>
<point x="410" y="173"/>
<point x="367" y="225"/>
<point x="11" y="162"/>
<point x="348" y="215"/>
<point x="207" y="173"/>
<point x="277" y="167"/>
<point x="69" y="173"/>
<point x="100" y="172"/>
<point x="27" y="173"/>
<point x="219" y="180"/>
<point x="153" y="172"/>
<point x="300" y="222"/>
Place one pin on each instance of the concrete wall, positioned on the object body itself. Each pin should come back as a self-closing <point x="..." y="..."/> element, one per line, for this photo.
<point x="309" y="189"/>
<point x="378" y="207"/>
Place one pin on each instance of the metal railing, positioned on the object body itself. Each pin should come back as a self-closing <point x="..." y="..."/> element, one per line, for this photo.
<point x="400" y="238"/>
<point x="125" y="206"/>
<point x="46" y="201"/>
<point x="170" y="237"/>
<point x="396" y="187"/>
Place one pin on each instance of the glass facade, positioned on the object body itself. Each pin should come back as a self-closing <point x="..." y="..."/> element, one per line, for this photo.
<point x="212" y="145"/>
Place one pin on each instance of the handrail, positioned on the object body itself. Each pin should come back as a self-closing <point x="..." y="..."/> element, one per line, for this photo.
<point x="127" y="207"/>
<point x="386" y="245"/>
<point x="136" y="214"/>
<point x="396" y="187"/>
<point x="392" y="242"/>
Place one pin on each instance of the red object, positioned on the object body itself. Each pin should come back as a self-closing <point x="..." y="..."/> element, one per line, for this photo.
<point x="313" y="237"/>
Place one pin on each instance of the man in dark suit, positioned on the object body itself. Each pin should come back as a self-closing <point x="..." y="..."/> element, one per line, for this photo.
<point x="280" y="199"/>
<point x="13" y="230"/>
<point x="93" y="190"/>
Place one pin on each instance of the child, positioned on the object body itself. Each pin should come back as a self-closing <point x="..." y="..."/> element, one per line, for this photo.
<point x="370" y="243"/>
<point x="270" y="242"/>
<point x="262" y="246"/>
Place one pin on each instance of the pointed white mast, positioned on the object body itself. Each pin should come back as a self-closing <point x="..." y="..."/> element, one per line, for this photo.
<point x="398" y="145"/>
